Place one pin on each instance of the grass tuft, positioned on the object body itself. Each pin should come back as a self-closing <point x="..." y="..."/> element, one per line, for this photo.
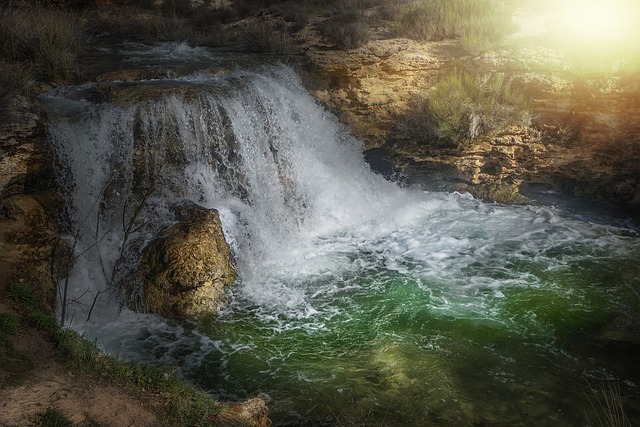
<point x="464" y="107"/>
<point x="51" y="39"/>
<point x="52" y="417"/>
<point x="22" y="293"/>
<point x="348" y="27"/>
<point x="267" y="36"/>
<point x="609" y="406"/>
<point x="480" y="24"/>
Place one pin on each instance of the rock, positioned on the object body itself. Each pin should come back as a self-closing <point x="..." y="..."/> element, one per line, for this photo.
<point x="578" y="116"/>
<point x="184" y="271"/>
<point x="25" y="208"/>
<point x="253" y="412"/>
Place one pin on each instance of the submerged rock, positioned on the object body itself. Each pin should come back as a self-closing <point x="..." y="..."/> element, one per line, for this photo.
<point x="183" y="272"/>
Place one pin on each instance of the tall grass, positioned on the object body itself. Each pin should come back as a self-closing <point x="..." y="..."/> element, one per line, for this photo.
<point x="609" y="407"/>
<point x="463" y="107"/>
<point x="51" y="39"/>
<point x="480" y="24"/>
<point x="268" y="36"/>
<point x="347" y="27"/>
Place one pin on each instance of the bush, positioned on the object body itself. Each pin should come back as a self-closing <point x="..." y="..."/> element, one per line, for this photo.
<point x="267" y="36"/>
<point x="480" y="24"/>
<point x="463" y="107"/>
<point x="348" y="27"/>
<point x="51" y="39"/>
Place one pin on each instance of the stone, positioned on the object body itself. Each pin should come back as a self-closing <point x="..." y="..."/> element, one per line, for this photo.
<point x="184" y="271"/>
<point x="253" y="412"/>
<point x="25" y="208"/>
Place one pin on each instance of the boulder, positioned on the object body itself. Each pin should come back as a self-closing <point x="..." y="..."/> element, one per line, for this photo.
<point x="183" y="272"/>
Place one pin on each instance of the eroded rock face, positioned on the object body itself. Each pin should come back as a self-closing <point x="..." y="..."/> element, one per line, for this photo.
<point x="183" y="272"/>
<point x="29" y="243"/>
<point x="583" y="143"/>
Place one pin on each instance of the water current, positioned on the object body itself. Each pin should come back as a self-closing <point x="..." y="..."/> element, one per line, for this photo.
<point x="358" y="302"/>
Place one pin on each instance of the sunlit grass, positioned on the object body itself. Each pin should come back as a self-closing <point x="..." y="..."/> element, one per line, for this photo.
<point x="480" y="24"/>
<point x="182" y="403"/>
<point x="463" y="107"/>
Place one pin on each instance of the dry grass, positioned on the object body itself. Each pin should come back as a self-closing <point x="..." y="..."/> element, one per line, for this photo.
<point x="268" y="36"/>
<point x="347" y="26"/>
<point x="463" y="107"/>
<point x="51" y="39"/>
<point x="480" y="24"/>
<point x="609" y="406"/>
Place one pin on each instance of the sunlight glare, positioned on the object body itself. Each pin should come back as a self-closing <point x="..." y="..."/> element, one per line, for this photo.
<point x="597" y="24"/>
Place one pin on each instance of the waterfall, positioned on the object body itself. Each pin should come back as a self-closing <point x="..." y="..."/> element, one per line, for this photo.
<point x="355" y="296"/>
<point x="257" y="147"/>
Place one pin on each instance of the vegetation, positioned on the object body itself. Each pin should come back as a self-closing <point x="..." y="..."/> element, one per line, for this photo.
<point x="14" y="364"/>
<point x="52" y="417"/>
<point x="267" y="36"/>
<point x="463" y="107"/>
<point x="183" y="404"/>
<point x="347" y="27"/>
<point x="480" y="24"/>
<point x="50" y="39"/>
<point x="609" y="407"/>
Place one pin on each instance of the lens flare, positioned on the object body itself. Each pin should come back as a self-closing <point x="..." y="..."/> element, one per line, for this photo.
<point x="597" y="25"/>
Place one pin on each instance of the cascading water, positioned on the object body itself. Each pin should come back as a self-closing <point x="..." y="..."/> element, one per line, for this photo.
<point x="358" y="302"/>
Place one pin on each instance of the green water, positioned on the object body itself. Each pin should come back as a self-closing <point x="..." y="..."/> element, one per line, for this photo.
<point x="386" y="349"/>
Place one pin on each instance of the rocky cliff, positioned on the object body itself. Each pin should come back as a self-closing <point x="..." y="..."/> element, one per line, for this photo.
<point x="581" y="148"/>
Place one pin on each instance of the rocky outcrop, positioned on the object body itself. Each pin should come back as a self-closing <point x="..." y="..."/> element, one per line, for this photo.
<point x="30" y="249"/>
<point x="370" y="87"/>
<point x="183" y="272"/>
<point x="583" y="143"/>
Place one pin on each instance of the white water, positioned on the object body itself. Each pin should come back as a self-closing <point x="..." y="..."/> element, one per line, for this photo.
<point x="280" y="170"/>
<point x="301" y="210"/>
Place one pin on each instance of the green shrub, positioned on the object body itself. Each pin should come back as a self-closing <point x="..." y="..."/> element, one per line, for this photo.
<point x="463" y="107"/>
<point x="480" y="24"/>
<point x="49" y="38"/>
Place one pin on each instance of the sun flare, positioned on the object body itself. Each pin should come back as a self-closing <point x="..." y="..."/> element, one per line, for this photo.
<point x="597" y="24"/>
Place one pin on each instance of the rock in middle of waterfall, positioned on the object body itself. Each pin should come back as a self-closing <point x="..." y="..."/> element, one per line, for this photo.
<point x="183" y="272"/>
